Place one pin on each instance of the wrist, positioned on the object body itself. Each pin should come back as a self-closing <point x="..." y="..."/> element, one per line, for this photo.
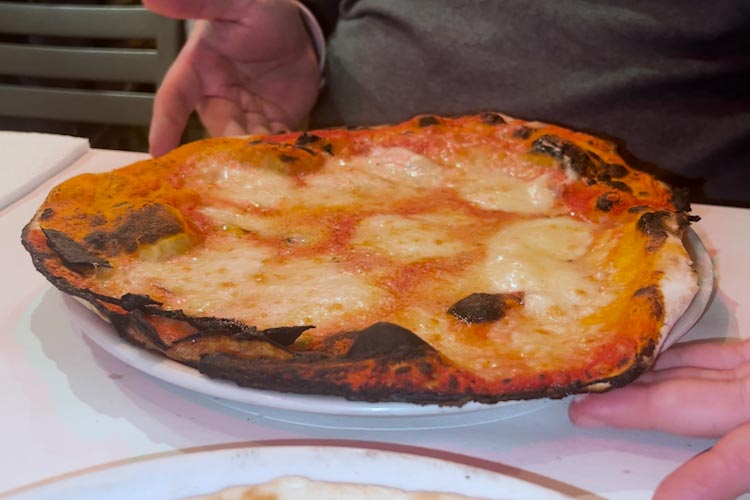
<point x="317" y="37"/>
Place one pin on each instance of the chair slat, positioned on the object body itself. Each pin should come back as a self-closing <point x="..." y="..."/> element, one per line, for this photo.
<point x="81" y="21"/>
<point x="120" y="108"/>
<point x="77" y="63"/>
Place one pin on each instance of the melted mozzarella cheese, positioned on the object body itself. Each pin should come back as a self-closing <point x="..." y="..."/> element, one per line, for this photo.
<point x="386" y="174"/>
<point x="242" y="185"/>
<point x="277" y="227"/>
<point x="544" y="259"/>
<point x="411" y="238"/>
<point x="249" y="284"/>
<point x="494" y="190"/>
<point x="401" y="166"/>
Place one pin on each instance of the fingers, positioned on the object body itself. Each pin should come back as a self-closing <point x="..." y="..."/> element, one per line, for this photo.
<point x="222" y="117"/>
<point x="690" y="407"/>
<point x="197" y="9"/>
<point x="720" y="473"/>
<point x="721" y="354"/>
<point x="689" y="372"/>
<point x="178" y="95"/>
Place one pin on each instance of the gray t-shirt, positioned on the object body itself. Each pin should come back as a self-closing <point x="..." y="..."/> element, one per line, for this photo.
<point x="669" y="78"/>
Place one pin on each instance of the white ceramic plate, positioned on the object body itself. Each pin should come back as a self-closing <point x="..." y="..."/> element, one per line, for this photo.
<point x="176" y="476"/>
<point x="286" y="404"/>
<point x="704" y="268"/>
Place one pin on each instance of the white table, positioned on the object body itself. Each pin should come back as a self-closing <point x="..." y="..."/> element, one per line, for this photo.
<point x="67" y="405"/>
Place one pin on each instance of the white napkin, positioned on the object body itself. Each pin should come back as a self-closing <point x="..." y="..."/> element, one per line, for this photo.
<point x="28" y="158"/>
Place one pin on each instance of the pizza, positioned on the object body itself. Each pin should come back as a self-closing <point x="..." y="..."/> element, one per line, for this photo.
<point x="302" y="488"/>
<point x="441" y="260"/>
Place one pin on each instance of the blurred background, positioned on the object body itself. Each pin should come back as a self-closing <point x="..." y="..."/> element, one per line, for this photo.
<point x="87" y="68"/>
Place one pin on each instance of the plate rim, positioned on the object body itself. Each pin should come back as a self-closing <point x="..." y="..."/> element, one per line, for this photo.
<point x="273" y="457"/>
<point x="157" y="365"/>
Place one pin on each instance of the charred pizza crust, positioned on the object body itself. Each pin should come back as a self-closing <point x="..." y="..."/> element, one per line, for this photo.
<point x="438" y="261"/>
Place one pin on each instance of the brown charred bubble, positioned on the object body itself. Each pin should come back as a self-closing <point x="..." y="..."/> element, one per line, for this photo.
<point x="385" y="339"/>
<point x="490" y="118"/>
<point x="614" y="170"/>
<point x="606" y="201"/>
<point x="567" y="153"/>
<point x="653" y="225"/>
<point x="304" y="139"/>
<point x="427" y="121"/>
<point x="328" y="148"/>
<point x="523" y="132"/>
<point x="638" y="209"/>
<point x="681" y="199"/>
<point x="619" y="185"/>
<point x="479" y="308"/>
<point x="226" y="326"/>
<point x="654" y="298"/>
<point x="287" y="158"/>
<point x="146" y="225"/>
<point x="73" y="254"/>
<point x="47" y="213"/>
<point x="284" y="335"/>
<point x="133" y="301"/>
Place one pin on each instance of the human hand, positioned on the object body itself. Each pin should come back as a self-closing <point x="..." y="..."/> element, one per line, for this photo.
<point x="247" y="67"/>
<point x="694" y="389"/>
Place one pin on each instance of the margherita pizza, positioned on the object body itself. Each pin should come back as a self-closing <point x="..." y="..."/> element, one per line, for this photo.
<point x="437" y="261"/>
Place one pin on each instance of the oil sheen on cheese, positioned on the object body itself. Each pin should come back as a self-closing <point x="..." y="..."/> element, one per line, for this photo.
<point x="346" y="244"/>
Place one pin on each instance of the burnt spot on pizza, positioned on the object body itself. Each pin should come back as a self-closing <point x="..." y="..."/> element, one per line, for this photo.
<point x="305" y="139"/>
<point x="139" y="328"/>
<point x="385" y="339"/>
<point x="619" y="185"/>
<point x="624" y="361"/>
<point x="425" y="368"/>
<point x="606" y="201"/>
<point x="328" y="148"/>
<point x="46" y="214"/>
<point x="145" y="225"/>
<point x="568" y="154"/>
<point x="427" y="121"/>
<point x="225" y="326"/>
<point x="655" y="300"/>
<point x="74" y="256"/>
<point x="285" y="158"/>
<point x="654" y="225"/>
<point x="133" y="301"/>
<point x="638" y="209"/>
<point x="97" y="220"/>
<point x="681" y="199"/>
<point x="491" y="118"/>
<point x="613" y="170"/>
<point x="403" y="370"/>
<point x="484" y="307"/>
<point x="523" y="132"/>
<point x="284" y="335"/>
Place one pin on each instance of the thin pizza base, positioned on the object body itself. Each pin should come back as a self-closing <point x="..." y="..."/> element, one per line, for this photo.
<point x="301" y="488"/>
<point x="441" y="260"/>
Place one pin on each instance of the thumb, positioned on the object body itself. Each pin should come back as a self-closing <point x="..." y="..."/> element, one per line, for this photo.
<point x="720" y="473"/>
